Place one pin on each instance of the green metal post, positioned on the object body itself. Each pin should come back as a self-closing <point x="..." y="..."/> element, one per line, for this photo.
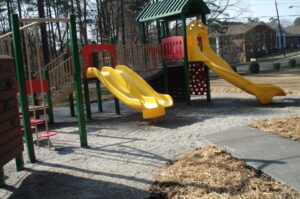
<point x="70" y="98"/>
<point x="86" y="91"/>
<point x="117" y="103"/>
<point x="49" y="98"/>
<point x="2" y="180"/>
<point x="22" y="89"/>
<point x="71" y="105"/>
<point x="167" y="30"/>
<point x="208" y="95"/>
<point x="77" y="82"/>
<point x="87" y="97"/>
<point x="186" y="63"/>
<point x="162" y="30"/>
<point x="142" y="33"/>
<point x="99" y="96"/>
<point x="176" y="28"/>
<point x="165" y="69"/>
<point x="158" y="31"/>
<point x="143" y="39"/>
<point x="19" y="162"/>
<point x="98" y="86"/>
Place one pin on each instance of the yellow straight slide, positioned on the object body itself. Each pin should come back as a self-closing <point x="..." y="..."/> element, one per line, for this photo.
<point x="132" y="90"/>
<point x="263" y="92"/>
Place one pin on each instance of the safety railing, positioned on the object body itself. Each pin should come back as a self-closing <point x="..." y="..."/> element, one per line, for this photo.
<point x="140" y="57"/>
<point x="60" y="74"/>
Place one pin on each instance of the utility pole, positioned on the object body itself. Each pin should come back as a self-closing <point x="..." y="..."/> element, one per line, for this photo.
<point x="280" y="29"/>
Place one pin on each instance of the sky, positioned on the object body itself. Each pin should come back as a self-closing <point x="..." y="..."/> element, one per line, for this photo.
<point x="264" y="9"/>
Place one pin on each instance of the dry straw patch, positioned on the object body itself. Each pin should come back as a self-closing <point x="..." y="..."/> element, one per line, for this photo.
<point x="288" y="127"/>
<point x="230" y="89"/>
<point x="213" y="173"/>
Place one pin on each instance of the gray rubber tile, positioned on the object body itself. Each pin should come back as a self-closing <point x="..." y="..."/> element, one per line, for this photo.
<point x="275" y="156"/>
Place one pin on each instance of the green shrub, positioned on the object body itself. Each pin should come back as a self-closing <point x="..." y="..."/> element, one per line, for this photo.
<point x="276" y="66"/>
<point x="254" y="67"/>
<point x="234" y="68"/>
<point x="292" y="63"/>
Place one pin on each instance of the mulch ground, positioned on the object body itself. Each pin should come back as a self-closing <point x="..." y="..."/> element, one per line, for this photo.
<point x="211" y="172"/>
<point x="288" y="127"/>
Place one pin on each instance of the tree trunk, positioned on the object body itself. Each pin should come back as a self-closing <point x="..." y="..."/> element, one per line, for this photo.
<point x="81" y="26"/>
<point x="58" y="26"/>
<point x="99" y="21"/>
<point x="123" y="23"/>
<point x="85" y="22"/>
<point x="44" y="36"/>
<point x="52" y="34"/>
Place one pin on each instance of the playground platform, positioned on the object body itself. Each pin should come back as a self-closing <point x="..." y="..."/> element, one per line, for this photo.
<point x="278" y="157"/>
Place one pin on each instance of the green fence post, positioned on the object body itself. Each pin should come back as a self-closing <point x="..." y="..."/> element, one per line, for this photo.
<point x="2" y="180"/>
<point x="19" y="162"/>
<point x="77" y="82"/>
<point x="71" y="105"/>
<point x="186" y="63"/>
<point x="117" y="103"/>
<point x="49" y="98"/>
<point x="22" y="89"/>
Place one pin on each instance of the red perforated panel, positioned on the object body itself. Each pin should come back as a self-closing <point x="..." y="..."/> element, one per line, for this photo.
<point x="197" y="79"/>
<point x="173" y="48"/>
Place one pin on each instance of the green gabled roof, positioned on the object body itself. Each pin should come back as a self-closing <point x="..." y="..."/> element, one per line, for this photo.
<point x="172" y="9"/>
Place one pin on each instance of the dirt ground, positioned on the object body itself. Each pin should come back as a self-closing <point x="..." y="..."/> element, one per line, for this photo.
<point x="289" y="80"/>
<point x="288" y="127"/>
<point x="211" y="172"/>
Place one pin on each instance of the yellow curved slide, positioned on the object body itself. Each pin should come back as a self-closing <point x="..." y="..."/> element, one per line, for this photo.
<point x="263" y="92"/>
<point x="132" y="90"/>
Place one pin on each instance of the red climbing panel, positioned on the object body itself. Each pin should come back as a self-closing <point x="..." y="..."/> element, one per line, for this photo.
<point x="197" y="78"/>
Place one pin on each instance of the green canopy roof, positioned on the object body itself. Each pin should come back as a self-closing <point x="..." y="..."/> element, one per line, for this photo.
<point x="173" y="9"/>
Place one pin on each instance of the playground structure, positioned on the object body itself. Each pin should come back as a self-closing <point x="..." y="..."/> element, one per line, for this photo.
<point x="191" y="54"/>
<point x="184" y="68"/>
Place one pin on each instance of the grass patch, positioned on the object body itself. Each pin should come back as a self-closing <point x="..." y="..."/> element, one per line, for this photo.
<point x="211" y="172"/>
<point x="288" y="127"/>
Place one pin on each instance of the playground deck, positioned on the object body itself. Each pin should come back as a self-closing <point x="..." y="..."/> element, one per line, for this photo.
<point x="125" y="150"/>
